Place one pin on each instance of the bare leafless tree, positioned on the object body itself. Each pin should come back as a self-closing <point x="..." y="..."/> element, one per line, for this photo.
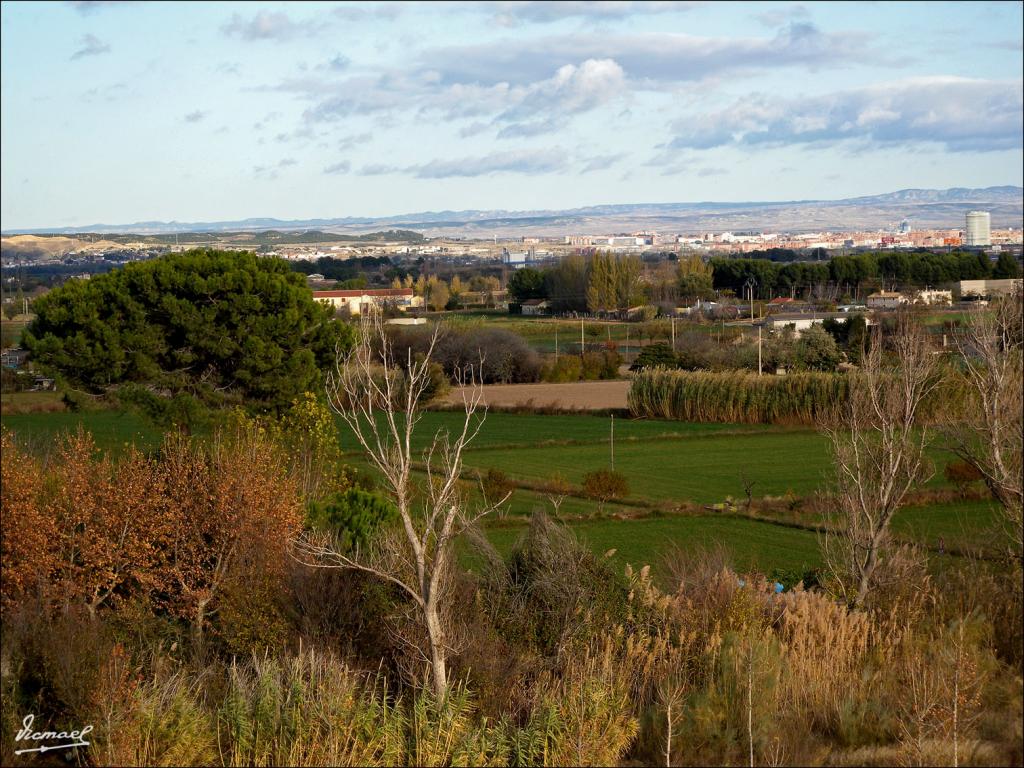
<point x="920" y="711"/>
<point x="380" y="400"/>
<point x="878" y="439"/>
<point x="556" y="489"/>
<point x="987" y="432"/>
<point x="748" y="488"/>
<point x="672" y="696"/>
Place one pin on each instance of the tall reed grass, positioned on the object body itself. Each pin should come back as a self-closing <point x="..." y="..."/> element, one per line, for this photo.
<point x="736" y="396"/>
<point x="739" y="397"/>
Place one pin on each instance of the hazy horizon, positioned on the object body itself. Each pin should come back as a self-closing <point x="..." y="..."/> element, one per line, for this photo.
<point x="409" y="214"/>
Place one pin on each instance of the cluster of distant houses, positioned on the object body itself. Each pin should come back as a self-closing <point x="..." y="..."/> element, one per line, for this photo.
<point x="786" y="312"/>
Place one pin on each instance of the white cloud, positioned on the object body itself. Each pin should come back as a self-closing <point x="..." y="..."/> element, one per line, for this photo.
<point x="957" y="113"/>
<point x="601" y="162"/>
<point x="91" y="46"/>
<point x="544" y="11"/>
<point x="527" y="161"/>
<point x="88" y="6"/>
<point x="657" y="57"/>
<point x="776" y="16"/>
<point x="268" y="26"/>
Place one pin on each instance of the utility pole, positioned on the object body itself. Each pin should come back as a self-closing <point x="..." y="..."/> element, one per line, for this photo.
<point x="673" y="331"/>
<point x="583" y="344"/>
<point x="611" y="442"/>
<point x="759" y="350"/>
<point x="556" y="342"/>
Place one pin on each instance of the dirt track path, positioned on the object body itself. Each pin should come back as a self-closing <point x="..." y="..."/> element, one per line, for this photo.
<point x="581" y="395"/>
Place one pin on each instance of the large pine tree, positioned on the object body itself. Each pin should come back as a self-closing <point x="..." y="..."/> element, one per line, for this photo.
<point x="201" y="328"/>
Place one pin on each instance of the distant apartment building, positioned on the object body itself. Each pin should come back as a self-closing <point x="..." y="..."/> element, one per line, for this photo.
<point x="515" y="259"/>
<point x="579" y="240"/>
<point x="624" y="241"/>
<point x="365" y="299"/>
<point x="520" y="259"/>
<point x="979" y="228"/>
<point x="987" y="289"/>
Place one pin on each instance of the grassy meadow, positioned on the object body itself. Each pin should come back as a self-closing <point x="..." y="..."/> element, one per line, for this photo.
<point x="667" y="464"/>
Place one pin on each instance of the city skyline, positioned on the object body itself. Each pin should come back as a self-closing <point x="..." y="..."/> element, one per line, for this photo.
<point x="122" y="112"/>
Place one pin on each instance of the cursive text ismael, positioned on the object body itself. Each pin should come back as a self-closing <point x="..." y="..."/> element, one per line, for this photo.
<point x="73" y="738"/>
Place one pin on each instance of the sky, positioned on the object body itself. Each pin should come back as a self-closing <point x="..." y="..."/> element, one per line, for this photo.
<point x="117" y="112"/>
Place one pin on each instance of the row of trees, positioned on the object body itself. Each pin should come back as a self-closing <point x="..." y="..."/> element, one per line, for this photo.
<point x="850" y="273"/>
<point x="602" y="282"/>
<point x="440" y="294"/>
<point x="606" y="282"/>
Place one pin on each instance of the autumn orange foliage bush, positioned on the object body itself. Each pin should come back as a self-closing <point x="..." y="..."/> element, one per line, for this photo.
<point x="182" y="530"/>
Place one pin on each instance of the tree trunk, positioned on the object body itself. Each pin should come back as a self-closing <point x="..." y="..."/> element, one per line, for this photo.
<point x="438" y="660"/>
<point x="197" y="623"/>
<point x="865" y="575"/>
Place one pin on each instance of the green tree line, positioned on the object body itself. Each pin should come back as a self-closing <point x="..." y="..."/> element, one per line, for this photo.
<point x="851" y="273"/>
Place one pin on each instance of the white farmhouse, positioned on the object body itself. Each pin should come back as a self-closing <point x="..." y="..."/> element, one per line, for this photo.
<point x="886" y="300"/>
<point x="800" y="322"/>
<point x="932" y="296"/>
<point x="360" y="299"/>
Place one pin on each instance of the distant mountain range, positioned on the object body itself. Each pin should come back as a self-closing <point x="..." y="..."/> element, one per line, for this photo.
<point x="924" y="208"/>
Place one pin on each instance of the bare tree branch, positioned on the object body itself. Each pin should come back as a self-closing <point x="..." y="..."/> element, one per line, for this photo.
<point x="987" y="432"/>
<point x="380" y="400"/>
<point x="879" y="439"/>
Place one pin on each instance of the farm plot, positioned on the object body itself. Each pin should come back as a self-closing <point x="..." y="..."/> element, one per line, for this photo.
<point x="526" y="430"/>
<point x="703" y="468"/>
<point x="749" y="544"/>
<point x="664" y="462"/>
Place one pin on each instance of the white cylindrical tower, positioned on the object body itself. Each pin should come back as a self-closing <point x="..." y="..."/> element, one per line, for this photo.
<point x="979" y="228"/>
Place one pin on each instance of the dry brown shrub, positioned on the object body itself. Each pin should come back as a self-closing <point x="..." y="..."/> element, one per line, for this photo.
<point x="26" y="531"/>
<point x="823" y="645"/>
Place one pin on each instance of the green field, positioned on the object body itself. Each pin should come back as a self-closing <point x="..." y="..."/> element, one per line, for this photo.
<point x="961" y="524"/>
<point x="112" y="430"/>
<point x="702" y="468"/>
<point x="515" y="430"/>
<point x="665" y="463"/>
<point x="751" y="545"/>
